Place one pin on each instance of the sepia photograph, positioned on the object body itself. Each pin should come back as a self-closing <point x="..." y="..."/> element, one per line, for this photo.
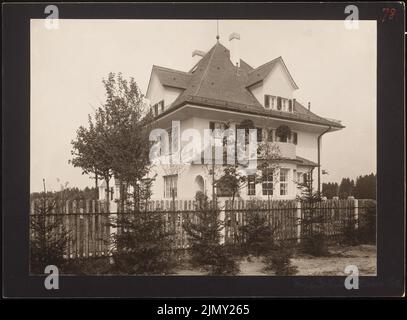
<point x="203" y="147"/>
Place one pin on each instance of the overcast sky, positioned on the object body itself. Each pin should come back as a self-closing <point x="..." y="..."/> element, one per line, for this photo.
<point x="335" y="69"/>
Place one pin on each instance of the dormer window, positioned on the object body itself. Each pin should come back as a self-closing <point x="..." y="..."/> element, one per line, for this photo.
<point x="278" y="103"/>
<point x="270" y="102"/>
<point x="158" y="107"/>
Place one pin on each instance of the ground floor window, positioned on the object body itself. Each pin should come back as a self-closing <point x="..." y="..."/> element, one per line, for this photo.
<point x="283" y="182"/>
<point x="170" y="186"/>
<point x="267" y="182"/>
<point x="251" y="185"/>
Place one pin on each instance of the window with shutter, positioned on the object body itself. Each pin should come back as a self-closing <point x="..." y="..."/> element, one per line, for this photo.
<point x="279" y="103"/>
<point x="295" y="137"/>
<point x="259" y="134"/>
<point x="266" y="101"/>
<point x="290" y="105"/>
<point x="270" y="135"/>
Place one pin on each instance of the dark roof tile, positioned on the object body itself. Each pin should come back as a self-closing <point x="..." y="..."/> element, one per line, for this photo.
<point x="215" y="82"/>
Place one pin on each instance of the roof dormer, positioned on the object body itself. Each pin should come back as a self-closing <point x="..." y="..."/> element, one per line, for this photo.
<point x="273" y="85"/>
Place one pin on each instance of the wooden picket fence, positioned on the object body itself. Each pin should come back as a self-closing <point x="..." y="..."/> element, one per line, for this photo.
<point x="88" y="222"/>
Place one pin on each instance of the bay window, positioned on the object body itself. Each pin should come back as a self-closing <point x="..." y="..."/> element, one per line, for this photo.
<point x="284" y="182"/>
<point x="170" y="186"/>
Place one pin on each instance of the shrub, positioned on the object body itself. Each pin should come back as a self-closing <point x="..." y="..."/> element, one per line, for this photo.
<point x="367" y="223"/>
<point x="49" y="238"/>
<point x="315" y="245"/>
<point x="257" y="236"/>
<point x="349" y="232"/>
<point x="204" y="235"/>
<point x="279" y="260"/>
<point x="142" y="245"/>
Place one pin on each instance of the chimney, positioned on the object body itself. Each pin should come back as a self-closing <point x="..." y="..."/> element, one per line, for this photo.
<point x="196" y="56"/>
<point x="309" y="106"/>
<point x="234" y="49"/>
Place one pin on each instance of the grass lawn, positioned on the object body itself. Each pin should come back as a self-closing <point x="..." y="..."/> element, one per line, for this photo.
<point x="363" y="256"/>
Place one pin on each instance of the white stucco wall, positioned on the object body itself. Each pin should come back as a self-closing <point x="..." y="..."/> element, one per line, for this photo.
<point x="157" y="92"/>
<point x="277" y="83"/>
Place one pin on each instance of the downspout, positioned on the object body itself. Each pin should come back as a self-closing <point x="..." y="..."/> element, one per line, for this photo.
<point x="319" y="158"/>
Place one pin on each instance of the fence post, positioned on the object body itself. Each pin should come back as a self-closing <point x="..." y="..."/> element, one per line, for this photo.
<point x="222" y="219"/>
<point x="299" y="222"/>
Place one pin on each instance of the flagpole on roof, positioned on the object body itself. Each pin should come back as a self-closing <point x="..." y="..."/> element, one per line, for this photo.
<point x="217" y="30"/>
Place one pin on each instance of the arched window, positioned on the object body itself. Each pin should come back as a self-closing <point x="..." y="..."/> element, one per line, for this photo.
<point x="283" y="133"/>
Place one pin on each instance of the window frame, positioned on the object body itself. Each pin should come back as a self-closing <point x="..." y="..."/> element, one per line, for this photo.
<point x="172" y="179"/>
<point x="284" y="182"/>
<point x="251" y="185"/>
<point x="266" y="181"/>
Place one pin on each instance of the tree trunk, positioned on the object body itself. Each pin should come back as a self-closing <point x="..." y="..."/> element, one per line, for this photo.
<point x="96" y="186"/>
<point x="107" y="194"/>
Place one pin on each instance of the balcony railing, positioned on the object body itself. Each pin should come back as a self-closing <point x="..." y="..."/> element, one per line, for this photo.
<point x="287" y="150"/>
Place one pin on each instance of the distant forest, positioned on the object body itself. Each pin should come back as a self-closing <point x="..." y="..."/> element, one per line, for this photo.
<point x="363" y="188"/>
<point x="68" y="194"/>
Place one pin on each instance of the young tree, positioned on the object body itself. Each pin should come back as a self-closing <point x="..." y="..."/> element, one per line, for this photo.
<point x="257" y="235"/>
<point x="312" y="221"/>
<point x="48" y="236"/>
<point x="143" y="242"/>
<point x="90" y="149"/>
<point x="205" y="236"/>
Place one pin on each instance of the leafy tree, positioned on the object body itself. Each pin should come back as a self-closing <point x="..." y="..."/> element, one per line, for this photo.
<point x="90" y="149"/>
<point x="205" y="236"/>
<point x="127" y="122"/>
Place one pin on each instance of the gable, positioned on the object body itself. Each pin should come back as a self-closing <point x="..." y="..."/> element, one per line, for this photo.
<point x="278" y="82"/>
<point x="155" y="90"/>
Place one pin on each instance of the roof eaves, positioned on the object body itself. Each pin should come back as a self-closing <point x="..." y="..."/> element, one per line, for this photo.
<point x="248" y="110"/>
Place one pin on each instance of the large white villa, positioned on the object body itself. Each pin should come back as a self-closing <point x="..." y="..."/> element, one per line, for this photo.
<point x="221" y="91"/>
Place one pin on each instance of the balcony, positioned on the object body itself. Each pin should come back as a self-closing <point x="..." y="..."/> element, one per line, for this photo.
<point x="287" y="150"/>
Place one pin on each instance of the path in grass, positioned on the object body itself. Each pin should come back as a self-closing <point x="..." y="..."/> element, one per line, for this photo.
<point x="363" y="256"/>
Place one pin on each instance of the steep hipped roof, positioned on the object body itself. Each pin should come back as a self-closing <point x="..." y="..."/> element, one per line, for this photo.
<point x="216" y="83"/>
<point x="215" y="77"/>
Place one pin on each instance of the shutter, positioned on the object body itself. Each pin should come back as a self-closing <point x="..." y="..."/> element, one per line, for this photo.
<point x="295" y="137"/>
<point x="266" y="101"/>
<point x="259" y="135"/>
<point x="290" y="105"/>
<point x="278" y="103"/>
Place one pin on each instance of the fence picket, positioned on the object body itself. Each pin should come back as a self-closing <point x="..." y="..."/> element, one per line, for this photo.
<point x="87" y="221"/>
